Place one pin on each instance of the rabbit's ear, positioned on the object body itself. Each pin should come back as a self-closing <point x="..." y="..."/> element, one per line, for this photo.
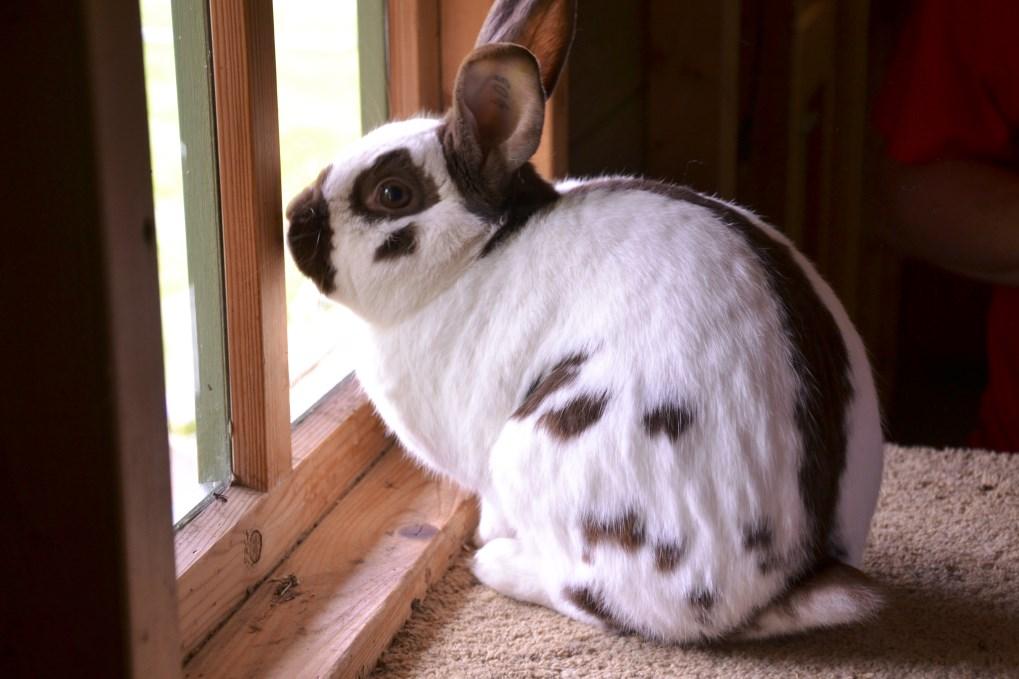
<point x="545" y="27"/>
<point x="497" y="114"/>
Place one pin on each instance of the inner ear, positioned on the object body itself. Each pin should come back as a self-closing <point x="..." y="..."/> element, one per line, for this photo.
<point x="498" y="111"/>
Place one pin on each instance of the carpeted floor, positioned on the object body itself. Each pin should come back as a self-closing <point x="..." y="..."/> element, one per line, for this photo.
<point x="945" y="542"/>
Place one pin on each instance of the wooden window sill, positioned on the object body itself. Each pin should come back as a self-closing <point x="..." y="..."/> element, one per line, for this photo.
<point x="226" y="551"/>
<point x="332" y="605"/>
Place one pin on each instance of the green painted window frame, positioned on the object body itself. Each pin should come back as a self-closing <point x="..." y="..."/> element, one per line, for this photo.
<point x="196" y="109"/>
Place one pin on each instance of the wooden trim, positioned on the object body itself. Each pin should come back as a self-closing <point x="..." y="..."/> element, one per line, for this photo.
<point x="248" y="142"/>
<point x="810" y="131"/>
<point x="693" y="93"/>
<point x="135" y="389"/>
<point x="84" y="473"/>
<point x="553" y="154"/>
<point x="850" y="119"/>
<point x="193" y="61"/>
<point x="332" y="606"/>
<point x="371" y="63"/>
<point x="228" y="549"/>
<point x="413" y="47"/>
<point x="765" y="185"/>
<point x="460" y="22"/>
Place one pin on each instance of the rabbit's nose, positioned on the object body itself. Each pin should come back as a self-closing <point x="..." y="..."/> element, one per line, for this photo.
<point x="310" y="237"/>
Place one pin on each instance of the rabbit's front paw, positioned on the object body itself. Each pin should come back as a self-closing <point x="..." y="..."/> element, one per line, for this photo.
<point x="502" y="565"/>
<point x="491" y="525"/>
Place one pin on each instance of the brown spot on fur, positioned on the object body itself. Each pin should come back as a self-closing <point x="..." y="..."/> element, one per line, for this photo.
<point x="819" y="355"/>
<point x="671" y="420"/>
<point x="668" y="555"/>
<point x="563" y="373"/>
<point x="575" y="417"/>
<point x="759" y="538"/>
<point x="589" y="601"/>
<point x="702" y="600"/>
<point x="396" y="165"/>
<point x="310" y="236"/>
<point x="399" y="243"/>
<point x="758" y="535"/>
<point x="627" y="531"/>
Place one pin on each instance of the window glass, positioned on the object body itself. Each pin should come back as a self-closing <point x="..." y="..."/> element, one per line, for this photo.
<point x="319" y="97"/>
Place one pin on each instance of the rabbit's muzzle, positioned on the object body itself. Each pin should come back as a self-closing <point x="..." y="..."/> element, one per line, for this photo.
<point x="310" y="237"/>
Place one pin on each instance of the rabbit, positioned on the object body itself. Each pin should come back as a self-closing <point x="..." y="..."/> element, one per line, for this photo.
<point x="668" y="417"/>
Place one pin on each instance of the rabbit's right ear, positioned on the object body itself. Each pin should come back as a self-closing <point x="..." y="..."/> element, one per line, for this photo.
<point x="494" y="125"/>
<point x="545" y="27"/>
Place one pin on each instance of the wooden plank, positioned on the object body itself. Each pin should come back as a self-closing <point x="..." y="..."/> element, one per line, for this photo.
<point x="692" y="93"/>
<point x="606" y="114"/>
<point x="248" y="142"/>
<point x="850" y="119"/>
<point x="413" y="57"/>
<point x="193" y="60"/>
<point x="237" y="540"/>
<point x="371" y="62"/>
<point x="332" y="607"/>
<point x="765" y="184"/>
<point x="810" y="131"/>
<point x="552" y="157"/>
<point x="459" y="21"/>
<point x="135" y="388"/>
<point x="84" y="471"/>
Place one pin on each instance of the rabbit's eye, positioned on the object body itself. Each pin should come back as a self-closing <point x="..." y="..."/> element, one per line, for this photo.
<point x="393" y="194"/>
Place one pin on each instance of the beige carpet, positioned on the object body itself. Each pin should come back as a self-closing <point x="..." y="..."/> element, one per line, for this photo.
<point x="945" y="541"/>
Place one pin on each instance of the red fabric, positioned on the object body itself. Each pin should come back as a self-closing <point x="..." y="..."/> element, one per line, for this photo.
<point x="952" y="90"/>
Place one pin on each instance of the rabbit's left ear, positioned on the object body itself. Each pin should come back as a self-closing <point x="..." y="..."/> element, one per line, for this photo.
<point x="494" y="125"/>
<point x="545" y="27"/>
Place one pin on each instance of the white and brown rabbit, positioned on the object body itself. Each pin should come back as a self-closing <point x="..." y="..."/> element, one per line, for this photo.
<point x="668" y="416"/>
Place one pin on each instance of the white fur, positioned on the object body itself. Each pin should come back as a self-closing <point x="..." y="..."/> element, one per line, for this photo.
<point x="670" y="305"/>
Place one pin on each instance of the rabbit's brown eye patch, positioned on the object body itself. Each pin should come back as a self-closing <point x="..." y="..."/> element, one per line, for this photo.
<point x="394" y="186"/>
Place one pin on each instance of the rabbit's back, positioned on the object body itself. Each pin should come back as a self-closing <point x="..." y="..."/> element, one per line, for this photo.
<point x="664" y="462"/>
